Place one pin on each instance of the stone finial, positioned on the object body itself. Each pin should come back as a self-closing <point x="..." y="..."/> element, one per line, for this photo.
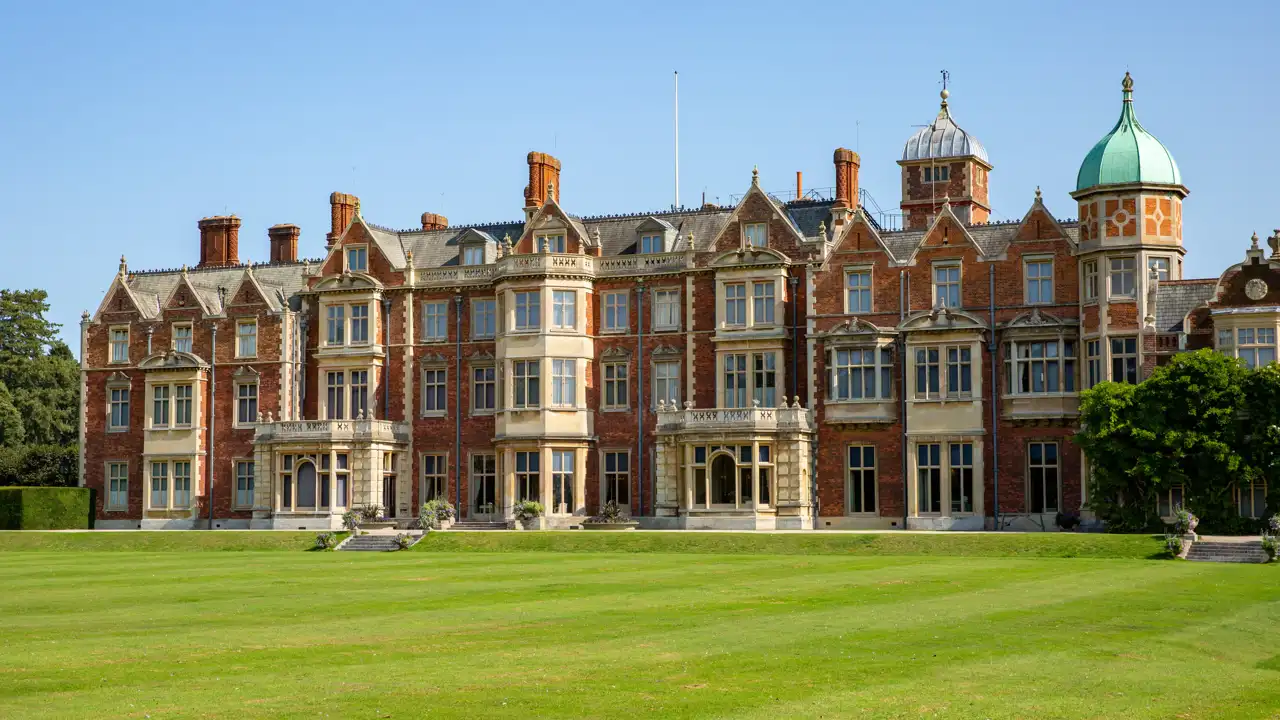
<point x="688" y="404"/>
<point x="84" y="316"/>
<point x="662" y="405"/>
<point x="782" y="405"/>
<point x="822" y="229"/>
<point x="595" y="236"/>
<point x="184" y="269"/>
<point x="1274" y="243"/>
<point x="124" y="266"/>
<point x="506" y="244"/>
<point x="408" y="256"/>
<point x="544" y="246"/>
<point x="1253" y="242"/>
<point x="755" y="175"/>
<point x="261" y="417"/>
<point x="269" y="419"/>
<point x="795" y="402"/>
<point x="582" y="248"/>
<point x="755" y="402"/>
<point x="1037" y="193"/>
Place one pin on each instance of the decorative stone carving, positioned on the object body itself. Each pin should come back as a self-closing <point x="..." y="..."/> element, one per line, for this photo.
<point x="1256" y="289"/>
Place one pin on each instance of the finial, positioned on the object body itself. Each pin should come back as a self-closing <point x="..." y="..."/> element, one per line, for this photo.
<point x="84" y="316"/>
<point x="124" y="266"/>
<point x="357" y="207"/>
<point x="946" y="77"/>
<point x="543" y="247"/>
<point x="184" y="269"/>
<point x="822" y="229"/>
<point x="1254" y="239"/>
<point x="1274" y="243"/>
<point x="1127" y="83"/>
<point x="1037" y="193"/>
<point x="755" y="175"/>
<point x="408" y="256"/>
<point x="551" y="191"/>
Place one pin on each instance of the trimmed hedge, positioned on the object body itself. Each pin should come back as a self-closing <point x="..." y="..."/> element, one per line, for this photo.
<point x="44" y="508"/>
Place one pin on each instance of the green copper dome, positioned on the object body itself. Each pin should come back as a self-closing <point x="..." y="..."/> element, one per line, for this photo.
<point x="1128" y="154"/>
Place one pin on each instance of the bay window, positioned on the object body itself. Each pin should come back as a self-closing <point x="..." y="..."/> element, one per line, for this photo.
<point x="932" y="383"/>
<point x="1093" y="362"/>
<point x="359" y="324"/>
<point x="562" y="472"/>
<point x="528" y="310"/>
<point x="1040" y="367"/>
<point x="762" y="303"/>
<point x="1121" y="280"/>
<point x="347" y="324"/>
<point x="528" y="476"/>
<point x="765" y="390"/>
<point x="564" y="373"/>
<point x="1091" y="280"/>
<point x="564" y="309"/>
<point x="735" y="304"/>
<point x="170" y="487"/>
<point x="735" y="381"/>
<point x="860" y="374"/>
<point x="1124" y="360"/>
<point x="1256" y="346"/>
<point x="524" y="384"/>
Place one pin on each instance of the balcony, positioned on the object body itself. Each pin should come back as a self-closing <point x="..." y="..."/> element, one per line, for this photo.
<point x="672" y="419"/>
<point x="460" y="275"/>
<point x="546" y="264"/>
<point x="643" y="264"/>
<point x="353" y="431"/>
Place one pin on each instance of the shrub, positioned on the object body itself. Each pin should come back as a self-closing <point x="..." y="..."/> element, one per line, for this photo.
<point x="1271" y="545"/>
<point x="611" y="514"/>
<point x="1184" y="521"/>
<point x="1068" y="521"/>
<point x="39" y="466"/>
<point x="527" y="510"/>
<point x="370" y="513"/>
<point x="1173" y="545"/>
<point x="1273" y="525"/>
<point x="326" y="541"/>
<point x="351" y="521"/>
<point x="45" y="508"/>
<point x="403" y="541"/>
<point x="436" y="511"/>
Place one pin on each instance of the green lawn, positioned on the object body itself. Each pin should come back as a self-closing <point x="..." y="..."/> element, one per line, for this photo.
<point x="445" y="631"/>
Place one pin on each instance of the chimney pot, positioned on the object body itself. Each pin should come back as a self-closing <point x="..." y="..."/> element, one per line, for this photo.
<point x="847" y="163"/>
<point x="434" y="221"/>
<point x="342" y="209"/>
<point x="284" y="242"/>
<point x="544" y="181"/>
<point x="219" y="241"/>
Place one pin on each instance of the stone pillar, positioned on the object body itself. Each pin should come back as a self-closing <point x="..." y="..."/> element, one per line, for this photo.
<point x="580" y="481"/>
<point x="755" y="475"/>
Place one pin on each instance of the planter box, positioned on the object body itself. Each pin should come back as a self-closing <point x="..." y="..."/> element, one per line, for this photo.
<point x="616" y="527"/>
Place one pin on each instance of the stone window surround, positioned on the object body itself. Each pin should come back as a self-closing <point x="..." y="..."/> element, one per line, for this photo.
<point x="473" y="480"/>
<point x="624" y="307"/>
<point x="173" y="335"/>
<point x="346" y="257"/>
<point x="489" y="363"/>
<point x="944" y="393"/>
<point x="1027" y="260"/>
<point x="933" y="280"/>
<point x="657" y="243"/>
<point x="434" y="303"/>
<point x="749" y="279"/>
<point x="546" y="235"/>
<point x="169" y="461"/>
<point x="1175" y="497"/>
<point x="235" y="488"/>
<point x="1013" y="339"/>
<point x="119" y="381"/>
<point x="746" y="239"/>
<point x="848" y="270"/>
<point x="913" y="472"/>
<point x="474" y="304"/>
<point x="604" y="452"/>
<point x="656" y="359"/>
<point x="848" y="480"/>
<point x="546" y="310"/>
<point x="572" y="304"/>
<point x="244" y="377"/>
<point x="241" y="323"/>
<point x="615" y="361"/>
<point x="878" y="346"/>
<point x="676" y="303"/>
<point x="368" y="299"/>
<point x="1232" y="323"/>
<point x="690" y="466"/>
<point x="301" y="457"/>
<point x="442" y="473"/>
<point x="322" y="399"/>
<point x="172" y="384"/>
<point x="107" y="505"/>
<point x="111" y="344"/>
<point x="1246" y="493"/>
<point x="434" y="364"/>
<point x="1112" y="274"/>
<point x="1089" y="279"/>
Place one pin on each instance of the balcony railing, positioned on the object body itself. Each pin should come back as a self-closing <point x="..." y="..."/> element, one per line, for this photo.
<point x="332" y="431"/>
<point x="672" y="418"/>
<point x="460" y="275"/>
<point x="643" y="264"/>
<point x="552" y="263"/>
<point x="546" y="263"/>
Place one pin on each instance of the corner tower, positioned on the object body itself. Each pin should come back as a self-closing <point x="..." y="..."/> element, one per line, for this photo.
<point x="942" y="163"/>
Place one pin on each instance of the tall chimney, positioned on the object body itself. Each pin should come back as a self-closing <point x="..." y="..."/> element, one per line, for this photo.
<point x="284" y="243"/>
<point x="847" y="163"/>
<point x="432" y="221"/>
<point x="342" y="208"/>
<point x="799" y="184"/>
<point x="544" y="181"/>
<point x="219" y="241"/>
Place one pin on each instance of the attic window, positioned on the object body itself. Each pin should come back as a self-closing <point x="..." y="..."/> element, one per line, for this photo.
<point x="756" y="234"/>
<point x="553" y="243"/>
<point x="652" y="244"/>
<point x="357" y="259"/>
<point x="937" y="174"/>
<point x="473" y="255"/>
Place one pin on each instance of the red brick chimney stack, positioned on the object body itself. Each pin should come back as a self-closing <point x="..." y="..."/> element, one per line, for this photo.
<point x="219" y="241"/>
<point x="847" y="163"/>
<point x="284" y="243"/>
<point x="342" y="208"/>
<point x="544" y="180"/>
<point x="432" y="221"/>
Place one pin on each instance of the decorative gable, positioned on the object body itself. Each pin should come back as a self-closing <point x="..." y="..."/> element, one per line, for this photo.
<point x="755" y="208"/>
<point x="948" y="231"/>
<point x="1039" y="224"/>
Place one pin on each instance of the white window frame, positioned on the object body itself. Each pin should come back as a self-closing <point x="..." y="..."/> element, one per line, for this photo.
<point x="335" y="391"/>
<point x="434" y="479"/>
<point x="1093" y="362"/>
<point x="1055" y="363"/>
<point x="652" y="244"/>
<point x="858" y="476"/>
<point x="944" y="358"/>
<point x="161" y="404"/>
<point x="564" y="383"/>
<point x="246" y="338"/>
<point x="118" y="396"/>
<point x="118" y="347"/>
<point x="182" y="344"/>
<point x="617" y="318"/>
<point x="246" y="401"/>
<point x="1089" y="273"/>
<point x="484" y="386"/>
<point x="526" y="385"/>
<point x="735" y="304"/>
<point x="615" y="483"/>
<point x="358" y="323"/>
<point x="564" y="309"/>
<point x="1256" y="346"/>
<point x="244" y="487"/>
<point x="1044" y="466"/>
<point x="484" y="465"/>
<point x="117" y="486"/>
<point x="484" y="318"/>
<point x="556" y="243"/>
<point x="947" y="284"/>
<point x="736" y="367"/>
<point x="863" y="291"/>
<point x="763" y="302"/>
<point x="435" y="321"/>
<point x="1038" y="289"/>
<point x="563" y="481"/>
<point x="358" y="395"/>
<point x="356" y="258"/>
<point x="335" y="325"/>
<point x="528" y="475"/>
<point x="183" y="396"/>
<point x="435" y="391"/>
<point x="530" y="303"/>
<point x="666" y="382"/>
<point x="472" y="255"/>
<point x="1153" y="262"/>
<point x="616" y="385"/>
<point x="755" y="235"/>
<point x="764" y="379"/>
<point x="847" y="362"/>
<point x="1132" y="375"/>
<point x="666" y="309"/>
<point x="1117" y="274"/>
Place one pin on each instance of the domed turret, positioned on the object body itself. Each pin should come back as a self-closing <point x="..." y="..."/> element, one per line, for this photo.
<point x="1128" y="154"/>
<point x="942" y="165"/>
<point x="943" y="138"/>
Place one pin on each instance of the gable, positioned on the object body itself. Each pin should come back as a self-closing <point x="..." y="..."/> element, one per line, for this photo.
<point x="757" y="207"/>
<point x="947" y="231"/>
<point x="860" y="236"/>
<point x="551" y="219"/>
<point x="1039" y="224"/>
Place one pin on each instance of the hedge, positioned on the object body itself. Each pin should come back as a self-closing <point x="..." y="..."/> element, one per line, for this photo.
<point x="39" y="465"/>
<point x="44" y="508"/>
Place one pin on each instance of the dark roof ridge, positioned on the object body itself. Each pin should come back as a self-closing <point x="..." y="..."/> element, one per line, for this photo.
<point x="193" y="270"/>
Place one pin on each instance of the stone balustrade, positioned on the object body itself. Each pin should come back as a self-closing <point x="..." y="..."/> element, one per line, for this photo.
<point x="552" y="263"/>
<point x="786" y="418"/>
<point x="381" y="431"/>
<point x="546" y="264"/>
<point x="643" y="264"/>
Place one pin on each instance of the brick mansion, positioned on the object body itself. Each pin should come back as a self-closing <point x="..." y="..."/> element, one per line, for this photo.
<point x="796" y="361"/>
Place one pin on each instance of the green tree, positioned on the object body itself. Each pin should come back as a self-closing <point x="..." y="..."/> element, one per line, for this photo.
<point x="12" y="431"/>
<point x="39" y="371"/>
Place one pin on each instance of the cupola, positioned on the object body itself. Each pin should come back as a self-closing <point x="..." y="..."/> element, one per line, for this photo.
<point x="1128" y="154"/>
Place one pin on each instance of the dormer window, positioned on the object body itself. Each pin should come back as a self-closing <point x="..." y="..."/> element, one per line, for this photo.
<point x="652" y="244"/>
<point x="554" y="243"/>
<point x="357" y="259"/>
<point x="756" y="234"/>
<point x="937" y="174"/>
<point x="473" y="255"/>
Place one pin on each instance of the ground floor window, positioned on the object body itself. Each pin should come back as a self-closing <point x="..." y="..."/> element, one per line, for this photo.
<point x="1252" y="500"/>
<point x="484" y="482"/>
<point x="433" y="474"/>
<point x="159" y="485"/>
<point x="244" y="483"/>
<point x="117" y="486"/>
<point x="1168" y="501"/>
<point x="617" y="478"/>
<point x="308" y="483"/>
<point x="528" y="476"/>
<point x="562" y="481"/>
<point x="929" y="478"/>
<point x="728" y="479"/>
<point x="961" y="477"/>
<point x="170" y="485"/>
<point x="861" y="490"/>
<point x="1043" y="478"/>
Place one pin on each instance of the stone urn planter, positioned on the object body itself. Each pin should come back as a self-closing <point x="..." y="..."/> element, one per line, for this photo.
<point x="611" y="526"/>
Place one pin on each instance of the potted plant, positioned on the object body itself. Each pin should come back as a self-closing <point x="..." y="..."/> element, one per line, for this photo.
<point x="435" y="513"/>
<point x="1174" y="545"/>
<point x="1067" y="521"/>
<point x="371" y="518"/>
<point x="1184" y="522"/>
<point x="404" y="541"/>
<point x="527" y="513"/>
<point x="326" y="541"/>
<point x="611" y="517"/>
<point x="351" y="521"/>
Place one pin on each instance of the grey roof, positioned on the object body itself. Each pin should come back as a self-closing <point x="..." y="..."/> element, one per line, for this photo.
<point x="279" y="282"/>
<point x="992" y="238"/>
<point x="439" y="248"/>
<point x="807" y="216"/>
<point x="943" y="139"/>
<point x="619" y="234"/>
<point x="1176" y="298"/>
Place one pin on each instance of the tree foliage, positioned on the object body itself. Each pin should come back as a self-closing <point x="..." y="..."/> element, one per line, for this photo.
<point x="1193" y="424"/>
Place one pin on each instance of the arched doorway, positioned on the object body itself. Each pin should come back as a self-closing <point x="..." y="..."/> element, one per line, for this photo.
<point x="306" y="497"/>
<point x="723" y="478"/>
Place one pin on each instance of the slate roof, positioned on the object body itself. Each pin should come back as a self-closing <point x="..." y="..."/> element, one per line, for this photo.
<point x="279" y="282"/>
<point x="1176" y="298"/>
<point x="943" y="138"/>
<point x="992" y="238"/>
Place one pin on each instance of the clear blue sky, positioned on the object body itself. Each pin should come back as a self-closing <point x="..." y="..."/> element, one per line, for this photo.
<point x="124" y="123"/>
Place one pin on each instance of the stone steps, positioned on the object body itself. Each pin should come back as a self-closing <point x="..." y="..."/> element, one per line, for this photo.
<point x="371" y="543"/>
<point x="477" y="525"/>
<point x="1245" y="552"/>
